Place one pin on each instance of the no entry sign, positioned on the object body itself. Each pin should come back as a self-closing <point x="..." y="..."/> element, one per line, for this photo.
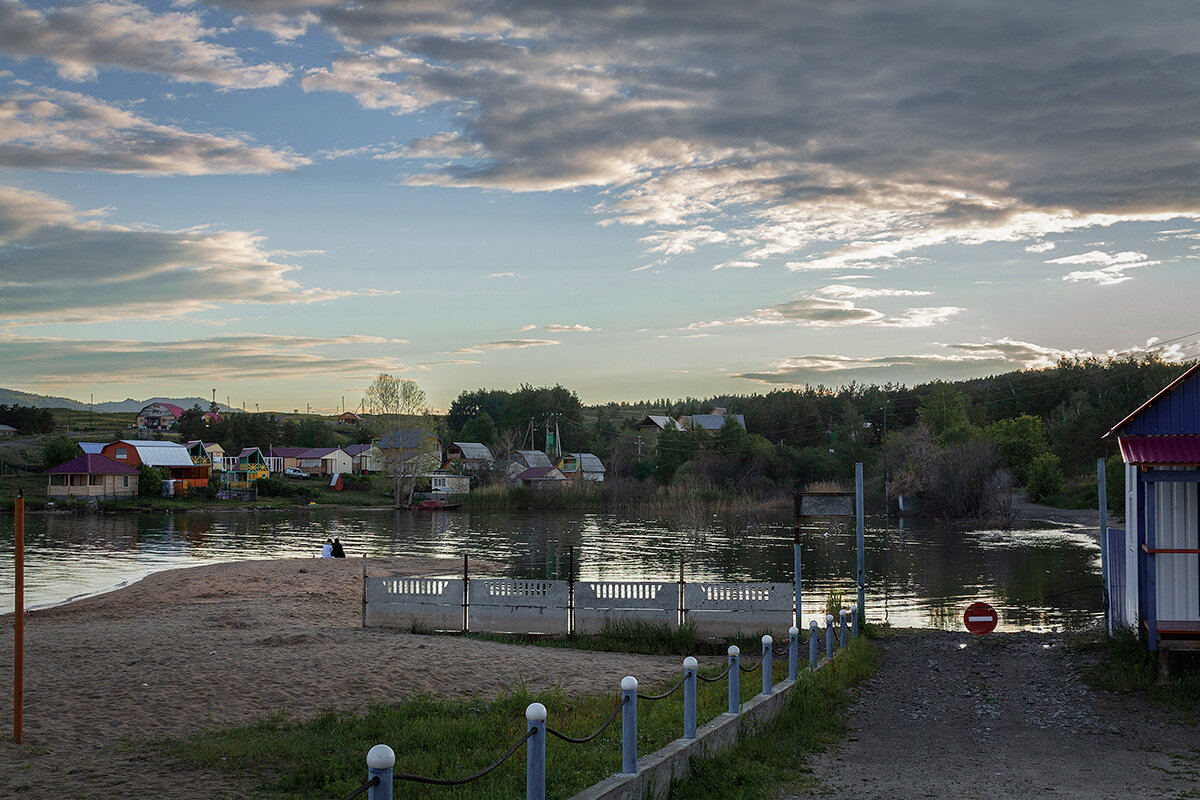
<point x="980" y="618"/>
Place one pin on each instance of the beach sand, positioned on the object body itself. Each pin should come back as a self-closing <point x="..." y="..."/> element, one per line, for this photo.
<point x="227" y="644"/>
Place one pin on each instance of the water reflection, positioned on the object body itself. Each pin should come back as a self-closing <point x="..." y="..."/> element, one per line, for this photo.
<point x="920" y="575"/>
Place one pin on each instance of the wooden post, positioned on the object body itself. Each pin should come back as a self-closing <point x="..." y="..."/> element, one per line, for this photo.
<point x="19" y="619"/>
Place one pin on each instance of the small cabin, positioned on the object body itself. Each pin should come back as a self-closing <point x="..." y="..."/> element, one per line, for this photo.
<point x="1154" y="577"/>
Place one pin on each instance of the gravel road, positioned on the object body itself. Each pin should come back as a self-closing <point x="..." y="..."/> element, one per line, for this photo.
<point x="952" y="715"/>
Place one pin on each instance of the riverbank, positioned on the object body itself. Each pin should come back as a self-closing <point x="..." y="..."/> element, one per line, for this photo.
<point x="227" y="644"/>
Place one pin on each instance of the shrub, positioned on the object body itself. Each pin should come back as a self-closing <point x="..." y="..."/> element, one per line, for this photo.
<point x="1045" y="478"/>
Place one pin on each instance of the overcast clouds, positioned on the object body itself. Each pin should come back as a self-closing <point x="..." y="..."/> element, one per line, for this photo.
<point x="902" y="174"/>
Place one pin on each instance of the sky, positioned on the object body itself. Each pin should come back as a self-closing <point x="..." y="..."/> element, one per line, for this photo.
<point x="274" y="201"/>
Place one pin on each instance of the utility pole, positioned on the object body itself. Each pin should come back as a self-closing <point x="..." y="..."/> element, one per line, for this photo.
<point x="639" y="441"/>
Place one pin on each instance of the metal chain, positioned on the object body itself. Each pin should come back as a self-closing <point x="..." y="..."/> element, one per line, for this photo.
<point x="476" y="776"/>
<point x="603" y="727"/>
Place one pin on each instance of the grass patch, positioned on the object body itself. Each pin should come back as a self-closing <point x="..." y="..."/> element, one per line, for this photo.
<point x="641" y="636"/>
<point x="813" y="718"/>
<point x="325" y="757"/>
<point x="1124" y="664"/>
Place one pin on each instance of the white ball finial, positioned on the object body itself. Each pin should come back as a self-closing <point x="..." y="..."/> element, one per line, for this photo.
<point x="734" y="650"/>
<point x="629" y="684"/>
<point x="690" y="662"/>
<point x="793" y="631"/>
<point x="535" y="712"/>
<point x="767" y="640"/>
<point x="381" y="757"/>
<point x="829" y="618"/>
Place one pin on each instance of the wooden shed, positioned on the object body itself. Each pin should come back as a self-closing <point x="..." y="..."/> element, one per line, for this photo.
<point x="1159" y="562"/>
<point x="92" y="475"/>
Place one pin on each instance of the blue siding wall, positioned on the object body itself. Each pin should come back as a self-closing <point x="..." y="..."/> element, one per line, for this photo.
<point x="1175" y="412"/>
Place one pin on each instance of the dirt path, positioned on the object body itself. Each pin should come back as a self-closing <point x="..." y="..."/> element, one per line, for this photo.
<point x="955" y="716"/>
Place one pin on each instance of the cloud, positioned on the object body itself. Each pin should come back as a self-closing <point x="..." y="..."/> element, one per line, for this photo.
<point x="61" y="265"/>
<point x="555" y="328"/>
<point x="80" y="39"/>
<point x="856" y="292"/>
<point x="1113" y="267"/>
<point x="837" y="136"/>
<point x="508" y="344"/>
<point x="58" y="130"/>
<point x="963" y="360"/>
<point x="504" y="275"/>
<point x="823" y="312"/>
<point x="65" y="363"/>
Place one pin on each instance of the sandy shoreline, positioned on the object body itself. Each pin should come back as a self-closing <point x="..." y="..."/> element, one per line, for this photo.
<point x="226" y="644"/>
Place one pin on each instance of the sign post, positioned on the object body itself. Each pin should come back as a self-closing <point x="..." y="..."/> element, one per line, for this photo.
<point x="19" y="618"/>
<point x="980" y="618"/>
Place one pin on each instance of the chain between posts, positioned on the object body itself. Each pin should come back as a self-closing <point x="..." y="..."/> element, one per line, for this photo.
<point x="476" y="776"/>
<point x="365" y="787"/>
<point x="670" y="692"/>
<point x="714" y="678"/>
<point x="602" y="729"/>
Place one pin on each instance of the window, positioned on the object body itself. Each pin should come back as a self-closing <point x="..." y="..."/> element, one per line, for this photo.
<point x="122" y="453"/>
<point x="124" y="481"/>
<point x="95" y="480"/>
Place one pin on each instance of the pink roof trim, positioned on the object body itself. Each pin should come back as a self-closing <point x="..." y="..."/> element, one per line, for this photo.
<point x="1179" y="450"/>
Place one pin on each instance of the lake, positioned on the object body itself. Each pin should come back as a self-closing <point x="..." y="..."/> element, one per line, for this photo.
<point x="918" y="574"/>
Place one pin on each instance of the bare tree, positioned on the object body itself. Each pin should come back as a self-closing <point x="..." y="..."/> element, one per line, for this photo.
<point x="400" y="416"/>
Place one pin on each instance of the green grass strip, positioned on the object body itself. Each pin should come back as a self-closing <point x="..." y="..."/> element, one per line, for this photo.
<point x="325" y="757"/>
<point x="774" y="759"/>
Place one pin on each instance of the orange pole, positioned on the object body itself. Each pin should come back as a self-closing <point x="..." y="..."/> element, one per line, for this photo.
<point x="19" y="620"/>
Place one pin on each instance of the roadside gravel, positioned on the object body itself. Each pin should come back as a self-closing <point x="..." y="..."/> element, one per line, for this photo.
<point x="952" y="715"/>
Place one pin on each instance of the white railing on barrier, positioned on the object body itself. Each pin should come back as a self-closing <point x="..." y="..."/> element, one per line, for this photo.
<point x="435" y="603"/>
<point x="726" y="609"/>
<point x="596" y="602"/>
<point x="517" y="606"/>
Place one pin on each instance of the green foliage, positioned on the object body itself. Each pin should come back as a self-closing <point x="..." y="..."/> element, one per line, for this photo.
<point x="1019" y="440"/>
<point x="1045" y="478"/>
<point x="1114" y="482"/>
<point x="944" y="409"/>
<point x="58" y="450"/>
<point x="284" y="487"/>
<point x="27" y="420"/>
<point x="1124" y="664"/>
<point x="480" y="429"/>
<point x="150" y="480"/>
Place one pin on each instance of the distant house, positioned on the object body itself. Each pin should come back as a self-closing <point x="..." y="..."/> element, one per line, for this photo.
<point x="289" y="456"/>
<point x="540" y="477"/>
<point x="92" y="475"/>
<point x="170" y="456"/>
<point x="657" y="423"/>
<point x="470" y="451"/>
<point x="159" y="416"/>
<point x="522" y="460"/>
<point x="1154" y="582"/>
<point x="326" y="461"/>
<point x="442" y="482"/>
<point x="209" y="454"/>
<point x="348" y="418"/>
<point x="713" y="421"/>
<point x="581" y="467"/>
<point x="7" y="431"/>
<point x="401" y="446"/>
<point x="365" y="458"/>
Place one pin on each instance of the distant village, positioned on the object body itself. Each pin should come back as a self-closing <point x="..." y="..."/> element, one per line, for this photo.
<point x="109" y="470"/>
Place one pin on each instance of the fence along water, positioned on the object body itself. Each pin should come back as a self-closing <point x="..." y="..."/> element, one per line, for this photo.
<point x="502" y="605"/>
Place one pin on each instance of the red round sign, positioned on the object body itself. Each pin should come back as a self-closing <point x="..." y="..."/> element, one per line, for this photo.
<point x="980" y="618"/>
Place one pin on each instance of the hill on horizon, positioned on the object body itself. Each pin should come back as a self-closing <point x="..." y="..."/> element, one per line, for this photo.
<point x="126" y="406"/>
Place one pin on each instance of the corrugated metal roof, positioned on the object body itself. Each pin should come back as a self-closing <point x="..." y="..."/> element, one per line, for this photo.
<point x="93" y="464"/>
<point x="287" y="452"/>
<point x="405" y="439"/>
<point x="541" y="474"/>
<point x="475" y="451"/>
<point x="1181" y="450"/>
<point x="589" y="462"/>
<point x="160" y="454"/>
<point x="534" y="458"/>
<point x="714" y="422"/>
<point x="91" y="447"/>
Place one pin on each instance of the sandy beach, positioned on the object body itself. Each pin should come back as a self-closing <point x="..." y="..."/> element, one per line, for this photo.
<point x="226" y="644"/>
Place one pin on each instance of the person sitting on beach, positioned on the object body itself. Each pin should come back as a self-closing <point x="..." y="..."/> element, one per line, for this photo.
<point x="327" y="549"/>
<point x="338" y="552"/>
